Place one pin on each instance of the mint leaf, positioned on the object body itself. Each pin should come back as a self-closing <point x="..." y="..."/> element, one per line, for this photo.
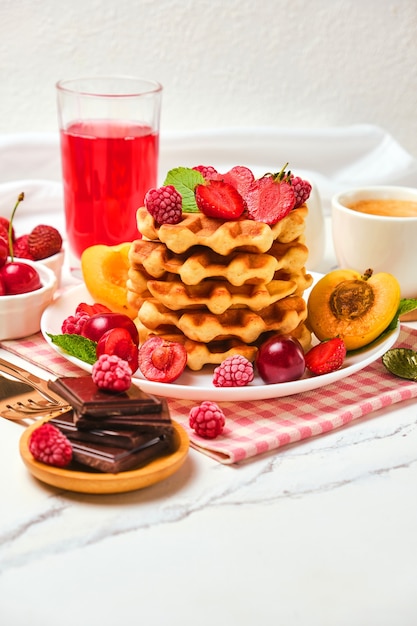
<point x="405" y="306"/>
<point x="185" y="180"/>
<point x="76" y="345"/>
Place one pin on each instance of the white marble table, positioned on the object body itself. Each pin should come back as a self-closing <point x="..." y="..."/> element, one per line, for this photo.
<point x="322" y="533"/>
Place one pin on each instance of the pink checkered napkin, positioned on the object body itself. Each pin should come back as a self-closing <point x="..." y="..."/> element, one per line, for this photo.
<point x="264" y="425"/>
<point x="37" y="351"/>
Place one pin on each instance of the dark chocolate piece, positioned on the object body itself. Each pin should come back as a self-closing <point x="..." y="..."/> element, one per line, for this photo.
<point x="87" y="399"/>
<point x="126" y="439"/>
<point x="158" y="423"/>
<point x="113" y="460"/>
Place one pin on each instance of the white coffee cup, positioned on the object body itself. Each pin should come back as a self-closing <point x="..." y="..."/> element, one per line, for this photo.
<point x="383" y="243"/>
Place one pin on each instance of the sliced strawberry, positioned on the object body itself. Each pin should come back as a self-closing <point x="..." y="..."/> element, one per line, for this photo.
<point x="118" y="341"/>
<point x="219" y="199"/>
<point x="162" y="361"/>
<point x="92" y="309"/>
<point x="270" y="199"/>
<point x="240" y="177"/>
<point x="328" y="356"/>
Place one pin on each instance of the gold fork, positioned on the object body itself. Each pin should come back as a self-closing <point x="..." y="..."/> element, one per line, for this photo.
<point x="30" y="379"/>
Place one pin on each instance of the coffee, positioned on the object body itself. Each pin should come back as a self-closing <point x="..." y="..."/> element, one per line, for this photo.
<point x="385" y="208"/>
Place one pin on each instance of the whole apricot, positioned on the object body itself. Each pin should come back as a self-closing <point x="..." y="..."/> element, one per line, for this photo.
<point x="357" y="308"/>
<point x="104" y="270"/>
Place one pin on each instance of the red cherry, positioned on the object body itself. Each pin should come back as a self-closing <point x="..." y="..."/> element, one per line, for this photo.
<point x="2" y="287"/>
<point x="280" y="359"/>
<point x="162" y="361"/>
<point x="19" y="277"/>
<point x="100" y="323"/>
<point x="119" y="341"/>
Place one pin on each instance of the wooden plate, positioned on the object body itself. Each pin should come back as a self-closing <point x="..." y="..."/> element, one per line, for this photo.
<point x="95" y="483"/>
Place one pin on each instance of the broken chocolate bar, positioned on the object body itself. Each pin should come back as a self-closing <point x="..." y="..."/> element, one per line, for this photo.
<point x="114" y="460"/>
<point x="158" y="423"/>
<point x="87" y="399"/>
<point x="126" y="439"/>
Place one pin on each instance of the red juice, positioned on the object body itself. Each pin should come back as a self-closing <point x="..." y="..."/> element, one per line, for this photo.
<point x="108" y="167"/>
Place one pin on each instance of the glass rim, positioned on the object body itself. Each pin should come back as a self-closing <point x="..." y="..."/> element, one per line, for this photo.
<point x="74" y="86"/>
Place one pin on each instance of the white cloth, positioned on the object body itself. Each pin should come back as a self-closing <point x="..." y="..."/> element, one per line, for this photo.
<point x="333" y="159"/>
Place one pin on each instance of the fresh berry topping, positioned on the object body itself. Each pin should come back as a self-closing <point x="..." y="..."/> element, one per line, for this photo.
<point x="240" y="177"/>
<point x="207" y="420"/>
<point x="302" y="190"/>
<point x="220" y="200"/>
<point x="270" y="198"/>
<point x="162" y="361"/>
<point x="164" y="204"/>
<point x="235" y="371"/>
<point x="44" y="241"/>
<point x="50" y="446"/>
<point x="328" y="356"/>
<point x="92" y="309"/>
<point x="111" y="373"/>
<point x="21" y="248"/>
<point x="208" y="171"/>
<point x="73" y="324"/>
<point x="119" y="341"/>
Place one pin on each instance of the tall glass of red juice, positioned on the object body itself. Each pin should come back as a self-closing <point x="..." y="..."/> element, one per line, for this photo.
<point x="109" y="128"/>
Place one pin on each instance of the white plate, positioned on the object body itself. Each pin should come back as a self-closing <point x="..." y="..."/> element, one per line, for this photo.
<point x="199" y="385"/>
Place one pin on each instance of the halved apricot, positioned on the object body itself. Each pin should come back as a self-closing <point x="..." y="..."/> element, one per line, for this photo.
<point x="105" y="271"/>
<point x="357" y="308"/>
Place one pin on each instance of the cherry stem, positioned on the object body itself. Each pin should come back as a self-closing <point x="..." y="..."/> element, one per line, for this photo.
<point x="20" y="199"/>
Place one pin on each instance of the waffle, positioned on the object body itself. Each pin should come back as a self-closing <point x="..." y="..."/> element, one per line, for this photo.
<point x="221" y="237"/>
<point x="219" y="287"/>
<point x="244" y="324"/>
<point x="238" y="268"/>
<point x="214" y="352"/>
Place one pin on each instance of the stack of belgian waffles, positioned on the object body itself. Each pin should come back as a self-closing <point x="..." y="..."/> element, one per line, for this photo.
<point x="219" y="287"/>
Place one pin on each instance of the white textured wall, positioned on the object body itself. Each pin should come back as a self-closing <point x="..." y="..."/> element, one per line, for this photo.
<point x="284" y="63"/>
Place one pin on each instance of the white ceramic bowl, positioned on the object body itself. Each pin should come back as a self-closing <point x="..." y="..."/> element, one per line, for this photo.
<point x="55" y="263"/>
<point x="20" y="314"/>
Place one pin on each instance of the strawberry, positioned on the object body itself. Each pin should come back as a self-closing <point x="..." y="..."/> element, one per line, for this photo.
<point x="220" y="200"/>
<point x="4" y="226"/>
<point x="270" y="198"/>
<point x="21" y="248"/>
<point x="44" y="241"/>
<point x="240" y="177"/>
<point x="92" y="309"/>
<point x="326" y="357"/>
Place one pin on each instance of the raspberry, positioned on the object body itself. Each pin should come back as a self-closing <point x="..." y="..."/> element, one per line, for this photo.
<point x="164" y="204"/>
<point x="73" y="324"/>
<point x="44" y="241"/>
<point x="50" y="446"/>
<point x="207" y="420"/>
<point x="207" y="171"/>
<point x="111" y="373"/>
<point x="21" y="248"/>
<point x="302" y="190"/>
<point x="235" y="371"/>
